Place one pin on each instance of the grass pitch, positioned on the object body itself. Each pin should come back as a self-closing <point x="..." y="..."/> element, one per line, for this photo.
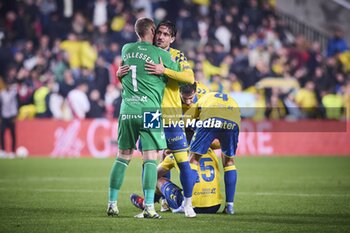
<point x="274" y="194"/>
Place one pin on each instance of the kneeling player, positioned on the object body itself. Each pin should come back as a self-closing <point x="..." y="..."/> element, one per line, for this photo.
<point x="206" y="192"/>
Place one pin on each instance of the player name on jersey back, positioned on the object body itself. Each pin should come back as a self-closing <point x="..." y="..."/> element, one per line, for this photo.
<point x="138" y="55"/>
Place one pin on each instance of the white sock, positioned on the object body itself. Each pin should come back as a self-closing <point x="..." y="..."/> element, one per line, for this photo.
<point x="187" y="201"/>
<point x="229" y="203"/>
<point x="149" y="206"/>
<point x="112" y="203"/>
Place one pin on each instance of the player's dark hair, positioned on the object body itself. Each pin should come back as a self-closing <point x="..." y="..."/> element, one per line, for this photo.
<point x="142" y="26"/>
<point x="188" y="89"/>
<point x="170" y="25"/>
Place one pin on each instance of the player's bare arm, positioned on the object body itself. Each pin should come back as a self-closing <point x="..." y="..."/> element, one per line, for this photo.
<point x="122" y="71"/>
<point x="157" y="69"/>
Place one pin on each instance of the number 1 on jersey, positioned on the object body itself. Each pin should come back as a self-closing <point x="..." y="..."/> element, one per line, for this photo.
<point x="133" y="77"/>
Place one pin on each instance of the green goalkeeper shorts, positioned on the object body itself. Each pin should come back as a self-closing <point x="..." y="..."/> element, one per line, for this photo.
<point x="130" y="130"/>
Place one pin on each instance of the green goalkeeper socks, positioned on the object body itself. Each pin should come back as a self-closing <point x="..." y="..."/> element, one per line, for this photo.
<point x="149" y="180"/>
<point x="117" y="178"/>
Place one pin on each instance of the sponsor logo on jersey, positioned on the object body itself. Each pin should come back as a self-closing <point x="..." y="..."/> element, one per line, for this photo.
<point x="175" y="139"/>
<point x="130" y="116"/>
<point x="141" y="48"/>
<point x="137" y="99"/>
<point x="206" y="191"/>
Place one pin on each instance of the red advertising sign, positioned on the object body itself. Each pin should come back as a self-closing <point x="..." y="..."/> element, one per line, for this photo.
<point x="98" y="138"/>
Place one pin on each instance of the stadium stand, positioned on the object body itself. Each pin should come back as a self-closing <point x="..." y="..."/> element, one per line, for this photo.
<point x="233" y="46"/>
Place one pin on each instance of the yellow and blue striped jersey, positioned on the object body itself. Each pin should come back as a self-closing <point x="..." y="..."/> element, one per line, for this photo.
<point x="215" y="105"/>
<point x="201" y="90"/>
<point x="206" y="192"/>
<point x="171" y="103"/>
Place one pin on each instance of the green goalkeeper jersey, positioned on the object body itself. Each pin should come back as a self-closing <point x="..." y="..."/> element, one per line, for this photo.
<point x="140" y="89"/>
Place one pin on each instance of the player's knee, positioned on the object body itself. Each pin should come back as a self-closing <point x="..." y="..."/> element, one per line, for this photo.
<point x="160" y="182"/>
<point x="194" y="158"/>
<point x="165" y="153"/>
<point x="228" y="161"/>
<point x="125" y="154"/>
<point x="150" y="155"/>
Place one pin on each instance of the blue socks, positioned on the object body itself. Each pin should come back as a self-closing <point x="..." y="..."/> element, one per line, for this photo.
<point x="187" y="178"/>
<point x="230" y="178"/>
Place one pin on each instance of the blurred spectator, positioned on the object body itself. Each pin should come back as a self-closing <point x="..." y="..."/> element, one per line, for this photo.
<point x="88" y="54"/>
<point x="223" y="35"/>
<point x="275" y="107"/>
<point x="79" y="24"/>
<point x="102" y="78"/>
<point x="25" y="87"/>
<point x="78" y="100"/>
<point x="100" y="13"/>
<point x="57" y="28"/>
<point x="58" y="66"/>
<point x="88" y="77"/>
<point x="46" y="8"/>
<point x="344" y="59"/>
<point x="336" y="44"/>
<point x="97" y="105"/>
<point x="18" y="60"/>
<point x="126" y="34"/>
<point x="102" y="38"/>
<point x="42" y="99"/>
<point x="25" y="92"/>
<point x="306" y="99"/>
<point x="67" y="83"/>
<point x="44" y="47"/>
<point x="9" y="111"/>
<point x="316" y="57"/>
<point x="14" y="27"/>
<point x="234" y="84"/>
<point x="109" y="54"/>
<point x="28" y="51"/>
<point x="216" y="84"/>
<point x="293" y="111"/>
<point x="187" y="25"/>
<point x="56" y="102"/>
<point x="253" y="75"/>
<point x="346" y="100"/>
<point x="72" y="47"/>
<point x="322" y="82"/>
<point x="145" y="6"/>
<point x="333" y="104"/>
<point x="259" y="53"/>
<point x="254" y="13"/>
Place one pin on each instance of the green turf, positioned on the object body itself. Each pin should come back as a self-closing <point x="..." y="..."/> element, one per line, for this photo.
<point x="274" y="194"/>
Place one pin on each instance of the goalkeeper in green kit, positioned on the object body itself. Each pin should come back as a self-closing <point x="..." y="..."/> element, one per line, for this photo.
<point x="140" y="115"/>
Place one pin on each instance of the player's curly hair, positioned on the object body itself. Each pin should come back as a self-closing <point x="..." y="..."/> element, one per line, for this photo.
<point x="188" y="89"/>
<point x="170" y="25"/>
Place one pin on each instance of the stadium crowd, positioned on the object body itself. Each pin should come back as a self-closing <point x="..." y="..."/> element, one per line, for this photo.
<point x="62" y="56"/>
